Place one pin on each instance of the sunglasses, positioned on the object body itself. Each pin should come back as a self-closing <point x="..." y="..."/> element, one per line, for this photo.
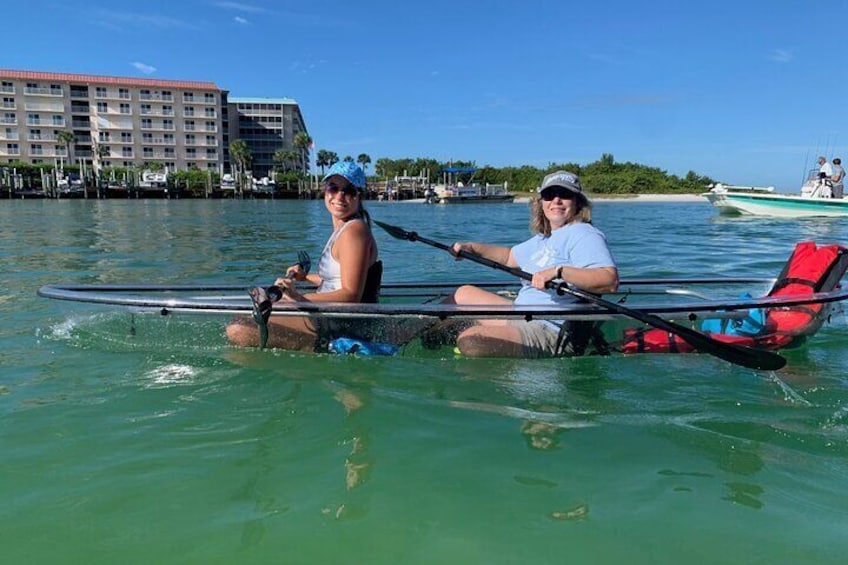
<point x="557" y="192"/>
<point x="347" y="190"/>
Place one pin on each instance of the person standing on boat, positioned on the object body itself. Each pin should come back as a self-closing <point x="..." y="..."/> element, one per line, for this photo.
<point x="348" y="270"/>
<point x="825" y="167"/>
<point x="565" y="247"/>
<point x="838" y="178"/>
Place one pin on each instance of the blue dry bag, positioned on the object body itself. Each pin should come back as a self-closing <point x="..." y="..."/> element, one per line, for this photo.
<point x="751" y="325"/>
<point x="350" y="346"/>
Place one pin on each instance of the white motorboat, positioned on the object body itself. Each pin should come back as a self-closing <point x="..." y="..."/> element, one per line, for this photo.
<point x="814" y="199"/>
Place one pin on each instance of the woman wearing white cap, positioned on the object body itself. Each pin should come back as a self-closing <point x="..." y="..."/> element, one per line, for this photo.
<point x="348" y="270"/>
<point x="565" y="247"/>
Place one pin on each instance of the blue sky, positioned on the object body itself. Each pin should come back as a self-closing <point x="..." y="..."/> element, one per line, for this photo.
<point x="747" y="92"/>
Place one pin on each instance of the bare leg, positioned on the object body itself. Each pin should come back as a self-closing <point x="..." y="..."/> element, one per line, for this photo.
<point x="293" y="333"/>
<point x="489" y="338"/>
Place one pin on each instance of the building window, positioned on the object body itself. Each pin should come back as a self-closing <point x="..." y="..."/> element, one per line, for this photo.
<point x="127" y="152"/>
<point x="189" y="125"/>
<point x="209" y="97"/>
<point x="167" y="124"/>
<point x="170" y="153"/>
<point x="13" y="149"/>
<point x="190" y="139"/>
<point x="124" y="93"/>
<point x="125" y="108"/>
<point x="36" y="149"/>
<point x="146" y="123"/>
<point x="58" y="120"/>
<point x="188" y="111"/>
<point x="100" y="92"/>
<point x="147" y="152"/>
<point x="102" y="107"/>
<point x="126" y="137"/>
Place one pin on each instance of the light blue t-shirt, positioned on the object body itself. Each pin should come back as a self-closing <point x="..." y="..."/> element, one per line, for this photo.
<point x="574" y="245"/>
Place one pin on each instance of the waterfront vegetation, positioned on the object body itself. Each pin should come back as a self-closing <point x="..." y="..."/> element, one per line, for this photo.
<point x="601" y="177"/>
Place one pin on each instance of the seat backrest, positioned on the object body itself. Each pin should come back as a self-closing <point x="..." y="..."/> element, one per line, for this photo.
<point x="811" y="269"/>
<point x="373" y="280"/>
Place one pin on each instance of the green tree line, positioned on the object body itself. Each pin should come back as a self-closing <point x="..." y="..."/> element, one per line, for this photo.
<point x="603" y="176"/>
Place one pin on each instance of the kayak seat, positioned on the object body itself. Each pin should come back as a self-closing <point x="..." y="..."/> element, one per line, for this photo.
<point x="809" y="270"/>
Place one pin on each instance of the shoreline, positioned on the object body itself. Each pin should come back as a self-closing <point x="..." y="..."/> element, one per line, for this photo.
<point x="637" y="198"/>
<point x="596" y="199"/>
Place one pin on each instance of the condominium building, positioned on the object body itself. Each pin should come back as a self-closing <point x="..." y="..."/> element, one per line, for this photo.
<point x="267" y="125"/>
<point x="103" y="121"/>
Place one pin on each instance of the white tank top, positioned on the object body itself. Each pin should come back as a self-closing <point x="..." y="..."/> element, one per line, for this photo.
<point x="329" y="269"/>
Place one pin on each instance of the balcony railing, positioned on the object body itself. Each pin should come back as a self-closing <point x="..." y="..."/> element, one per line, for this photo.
<point x="38" y="91"/>
<point x="155" y="112"/>
<point x="41" y="137"/>
<point x="156" y="97"/>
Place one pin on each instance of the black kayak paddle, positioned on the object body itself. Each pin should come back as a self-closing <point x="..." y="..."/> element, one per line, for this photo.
<point x="749" y="357"/>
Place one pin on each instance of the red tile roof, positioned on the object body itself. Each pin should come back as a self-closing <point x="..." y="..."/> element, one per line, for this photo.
<point x="95" y="79"/>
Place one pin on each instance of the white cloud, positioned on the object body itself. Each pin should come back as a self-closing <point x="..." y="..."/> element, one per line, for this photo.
<point x="146" y="69"/>
<point x="240" y="20"/>
<point x="238" y="6"/>
<point x="781" y="56"/>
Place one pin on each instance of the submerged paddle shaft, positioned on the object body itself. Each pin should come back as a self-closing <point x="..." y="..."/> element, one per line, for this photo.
<point x="737" y="354"/>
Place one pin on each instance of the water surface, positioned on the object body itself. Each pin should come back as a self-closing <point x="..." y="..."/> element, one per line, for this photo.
<point x="154" y="441"/>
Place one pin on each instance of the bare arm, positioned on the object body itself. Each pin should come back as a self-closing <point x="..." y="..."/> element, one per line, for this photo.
<point x="496" y="253"/>
<point x="598" y="279"/>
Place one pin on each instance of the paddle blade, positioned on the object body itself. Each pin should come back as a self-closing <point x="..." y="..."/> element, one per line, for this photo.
<point x="746" y="356"/>
<point x="304" y="261"/>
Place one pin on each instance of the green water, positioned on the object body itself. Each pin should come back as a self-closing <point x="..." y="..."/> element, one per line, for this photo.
<point x="152" y="441"/>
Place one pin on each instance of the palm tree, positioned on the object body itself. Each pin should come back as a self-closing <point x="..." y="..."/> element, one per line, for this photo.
<point x="240" y="154"/>
<point x="66" y="138"/>
<point x="285" y="158"/>
<point x="303" y="142"/>
<point x="325" y="159"/>
<point x="364" y="159"/>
